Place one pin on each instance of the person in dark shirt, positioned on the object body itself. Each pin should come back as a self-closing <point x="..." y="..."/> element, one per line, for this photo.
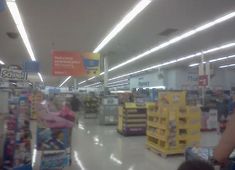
<point x="75" y="106"/>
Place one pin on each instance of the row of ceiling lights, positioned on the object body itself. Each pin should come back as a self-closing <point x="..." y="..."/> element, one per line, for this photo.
<point x="172" y="41"/>
<point x="20" y="26"/>
<point x="213" y="60"/>
<point x="118" y="28"/>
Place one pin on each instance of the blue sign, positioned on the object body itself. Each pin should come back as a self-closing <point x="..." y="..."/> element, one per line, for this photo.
<point x="2" y="5"/>
<point x="31" y="67"/>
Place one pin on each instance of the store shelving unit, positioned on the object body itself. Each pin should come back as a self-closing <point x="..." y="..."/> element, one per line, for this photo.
<point x="91" y="107"/>
<point x="36" y="99"/>
<point x="109" y="110"/>
<point x="132" y="119"/>
<point x="172" y="125"/>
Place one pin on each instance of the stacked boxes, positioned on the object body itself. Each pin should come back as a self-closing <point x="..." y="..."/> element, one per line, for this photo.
<point x="172" y="125"/>
<point x="132" y="119"/>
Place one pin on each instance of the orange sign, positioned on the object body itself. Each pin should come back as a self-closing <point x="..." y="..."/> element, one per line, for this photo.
<point x="67" y="64"/>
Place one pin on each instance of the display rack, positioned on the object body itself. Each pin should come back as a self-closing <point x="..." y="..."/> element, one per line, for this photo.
<point x="4" y="95"/>
<point x="36" y="99"/>
<point x="54" y="133"/>
<point x="132" y="119"/>
<point x="91" y="107"/>
<point x="17" y="144"/>
<point x="172" y="125"/>
<point x="109" y="110"/>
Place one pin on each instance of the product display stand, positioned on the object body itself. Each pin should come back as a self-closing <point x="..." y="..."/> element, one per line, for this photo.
<point x="91" y="105"/>
<point x="36" y="99"/>
<point x="132" y="119"/>
<point x="54" y="133"/>
<point x="17" y="145"/>
<point x="172" y="125"/>
<point x="109" y="111"/>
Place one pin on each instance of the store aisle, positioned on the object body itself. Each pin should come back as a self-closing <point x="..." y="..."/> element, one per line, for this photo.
<point x="102" y="148"/>
<point x="98" y="147"/>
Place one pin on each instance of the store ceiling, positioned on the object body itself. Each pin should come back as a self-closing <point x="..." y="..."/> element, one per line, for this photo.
<point x="80" y="25"/>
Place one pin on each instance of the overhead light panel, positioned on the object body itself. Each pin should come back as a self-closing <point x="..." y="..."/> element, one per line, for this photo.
<point x="20" y="26"/>
<point x="82" y="82"/>
<point x="226" y="66"/>
<point x="177" y="39"/>
<point x="65" y="81"/>
<point x="229" y="45"/>
<point x="116" y="85"/>
<point x="123" y="23"/>
<point x="213" y="60"/>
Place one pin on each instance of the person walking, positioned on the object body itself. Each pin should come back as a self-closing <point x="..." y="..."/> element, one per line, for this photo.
<point x="75" y="106"/>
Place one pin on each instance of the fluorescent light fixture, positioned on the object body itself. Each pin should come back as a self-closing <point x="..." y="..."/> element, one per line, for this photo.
<point x="155" y="87"/>
<point x="40" y="76"/>
<point x="101" y="73"/>
<point x="2" y="63"/>
<point x="92" y="78"/>
<point x="20" y="26"/>
<point x="82" y="82"/>
<point x="178" y="39"/>
<point x="121" y="81"/>
<point x="229" y="45"/>
<point x="121" y="91"/>
<point x="194" y="65"/>
<point x="93" y="84"/>
<point x="213" y="60"/>
<point x="225" y="66"/>
<point x="123" y="23"/>
<point x="116" y="85"/>
<point x="65" y="81"/>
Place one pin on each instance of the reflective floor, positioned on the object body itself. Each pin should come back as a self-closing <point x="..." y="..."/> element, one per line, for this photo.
<point x="97" y="147"/>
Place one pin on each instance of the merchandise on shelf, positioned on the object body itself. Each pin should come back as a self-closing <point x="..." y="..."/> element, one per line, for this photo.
<point x="91" y="107"/>
<point x="54" y="131"/>
<point x="132" y="119"/>
<point x="17" y="146"/>
<point x="109" y="110"/>
<point x="52" y="139"/>
<point x="55" y="161"/>
<point x="36" y="99"/>
<point x="172" y="125"/>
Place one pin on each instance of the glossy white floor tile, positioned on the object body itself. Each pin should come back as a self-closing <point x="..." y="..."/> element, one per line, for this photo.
<point x="97" y="147"/>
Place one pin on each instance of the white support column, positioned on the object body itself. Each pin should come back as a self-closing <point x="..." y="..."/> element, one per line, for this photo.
<point x="105" y="72"/>
<point x="75" y="84"/>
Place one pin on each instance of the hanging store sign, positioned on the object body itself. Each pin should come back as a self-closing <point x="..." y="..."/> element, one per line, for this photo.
<point x="12" y="74"/>
<point x="31" y="67"/>
<point x="75" y="64"/>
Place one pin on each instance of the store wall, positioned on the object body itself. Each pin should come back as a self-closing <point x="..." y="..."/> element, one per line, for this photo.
<point x="179" y="78"/>
<point x="147" y="80"/>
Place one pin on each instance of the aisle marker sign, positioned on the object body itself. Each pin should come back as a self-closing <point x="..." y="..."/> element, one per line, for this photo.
<point x="66" y="63"/>
<point x="11" y="74"/>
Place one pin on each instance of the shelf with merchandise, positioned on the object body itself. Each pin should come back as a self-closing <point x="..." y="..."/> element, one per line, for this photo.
<point x="132" y="119"/>
<point x="172" y="126"/>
